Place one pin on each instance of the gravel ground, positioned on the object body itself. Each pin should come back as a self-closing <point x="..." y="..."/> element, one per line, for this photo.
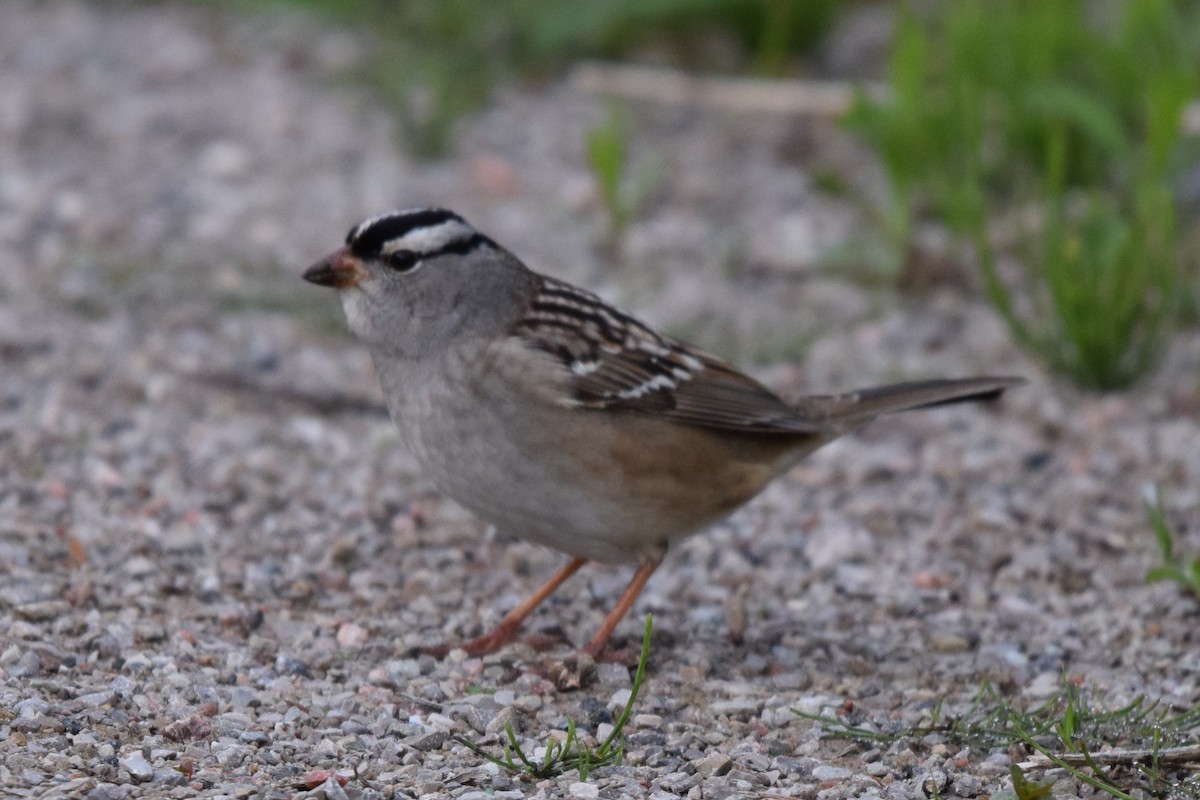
<point x="219" y="567"/>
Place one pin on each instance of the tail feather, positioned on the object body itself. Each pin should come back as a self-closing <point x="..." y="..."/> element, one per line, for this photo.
<point x="858" y="407"/>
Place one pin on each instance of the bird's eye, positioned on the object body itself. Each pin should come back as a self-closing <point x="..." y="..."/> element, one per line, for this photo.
<point x="401" y="260"/>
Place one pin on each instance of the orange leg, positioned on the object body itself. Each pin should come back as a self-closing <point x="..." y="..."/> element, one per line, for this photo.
<point x="638" y="582"/>
<point x="496" y="638"/>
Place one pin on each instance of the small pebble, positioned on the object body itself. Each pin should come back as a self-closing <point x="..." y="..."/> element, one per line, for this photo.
<point x="828" y="772"/>
<point x="351" y="636"/>
<point x="430" y="741"/>
<point x="713" y="764"/>
<point x="137" y="766"/>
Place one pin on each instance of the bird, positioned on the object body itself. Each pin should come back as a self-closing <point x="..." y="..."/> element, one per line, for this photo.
<point x="562" y="420"/>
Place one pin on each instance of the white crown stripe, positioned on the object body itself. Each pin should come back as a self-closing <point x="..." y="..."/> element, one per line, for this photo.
<point x="431" y="238"/>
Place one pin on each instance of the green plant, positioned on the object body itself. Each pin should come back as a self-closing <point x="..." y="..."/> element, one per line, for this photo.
<point x="1023" y="788"/>
<point x="572" y="752"/>
<point x="1145" y="746"/>
<point x="1182" y="569"/>
<point x="623" y="190"/>
<point x="1108" y="284"/>
<point x="1047" y="134"/>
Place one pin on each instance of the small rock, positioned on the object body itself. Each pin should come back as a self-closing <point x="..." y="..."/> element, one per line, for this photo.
<point x="572" y="673"/>
<point x="967" y="785"/>
<point x="828" y="772"/>
<point x="528" y="702"/>
<point x="167" y="777"/>
<point x="139" y="567"/>
<point x="941" y="642"/>
<point x="108" y="791"/>
<point x="584" y="791"/>
<point x="469" y="714"/>
<point x="24" y="630"/>
<point x="430" y="741"/>
<point x="32" y="707"/>
<point x="507" y="717"/>
<point x="27" y="666"/>
<point x="612" y="674"/>
<point x="351" y="636"/>
<point x="331" y="789"/>
<point x="935" y="783"/>
<point x="138" y="662"/>
<point x="620" y="698"/>
<point x="196" y="726"/>
<point x="835" y="541"/>
<point x="242" y="696"/>
<point x="713" y="764"/>
<point x="318" y="777"/>
<point x="232" y="723"/>
<point x="73" y="788"/>
<point x="742" y="776"/>
<point x="403" y="670"/>
<point x="42" y="610"/>
<point x="1046" y="684"/>
<point x="737" y="707"/>
<point x="679" y="782"/>
<point x="290" y="665"/>
<point x="137" y="766"/>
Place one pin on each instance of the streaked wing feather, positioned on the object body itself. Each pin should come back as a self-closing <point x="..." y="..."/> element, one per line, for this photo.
<point x="615" y="362"/>
<point x="724" y="397"/>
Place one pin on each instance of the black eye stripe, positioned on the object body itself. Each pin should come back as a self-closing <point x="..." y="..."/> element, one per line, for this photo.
<point x="463" y="246"/>
<point x="405" y="260"/>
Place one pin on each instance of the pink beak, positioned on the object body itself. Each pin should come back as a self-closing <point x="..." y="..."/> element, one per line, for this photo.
<point x="341" y="269"/>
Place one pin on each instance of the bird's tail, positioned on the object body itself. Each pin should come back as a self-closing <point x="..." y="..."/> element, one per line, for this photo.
<point x="855" y="408"/>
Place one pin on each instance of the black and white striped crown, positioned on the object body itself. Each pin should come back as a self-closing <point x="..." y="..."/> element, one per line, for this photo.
<point x="426" y="232"/>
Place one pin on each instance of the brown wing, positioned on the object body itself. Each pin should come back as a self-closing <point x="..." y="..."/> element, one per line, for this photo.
<point x="615" y="362"/>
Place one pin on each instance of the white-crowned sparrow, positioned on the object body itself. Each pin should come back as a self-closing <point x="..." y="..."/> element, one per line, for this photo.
<point x="558" y="418"/>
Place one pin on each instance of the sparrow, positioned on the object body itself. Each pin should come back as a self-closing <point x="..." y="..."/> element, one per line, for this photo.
<point x="562" y="420"/>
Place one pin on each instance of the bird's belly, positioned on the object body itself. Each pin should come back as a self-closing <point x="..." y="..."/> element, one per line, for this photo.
<point x="524" y="483"/>
<point x="594" y="484"/>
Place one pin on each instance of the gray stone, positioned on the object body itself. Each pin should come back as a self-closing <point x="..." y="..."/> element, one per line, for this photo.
<point x="714" y="763"/>
<point x="430" y="741"/>
<point x="828" y="772"/>
<point x="137" y="766"/>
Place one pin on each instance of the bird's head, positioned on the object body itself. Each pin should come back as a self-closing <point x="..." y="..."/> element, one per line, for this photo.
<point x="416" y="280"/>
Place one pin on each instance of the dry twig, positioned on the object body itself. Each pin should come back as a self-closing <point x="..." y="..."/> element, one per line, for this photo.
<point x="746" y="95"/>
<point x="1187" y="757"/>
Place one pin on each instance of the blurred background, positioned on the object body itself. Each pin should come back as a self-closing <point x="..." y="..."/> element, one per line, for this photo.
<point x="691" y="158"/>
